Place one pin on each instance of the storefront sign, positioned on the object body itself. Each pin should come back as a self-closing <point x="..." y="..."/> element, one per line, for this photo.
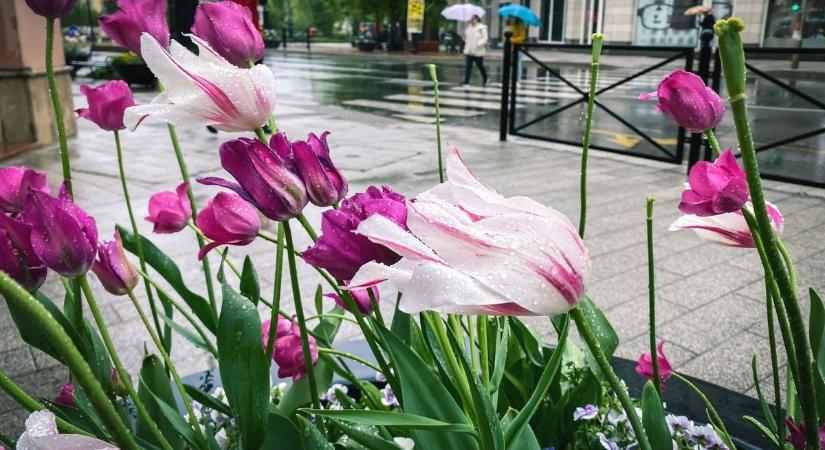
<point x="415" y="16"/>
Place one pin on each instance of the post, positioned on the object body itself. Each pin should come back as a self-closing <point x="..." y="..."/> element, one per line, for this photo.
<point x="309" y="38"/>
<point x="705" y="58"/>
<point x="284" y="37"/>
<point x="505" y="88"/>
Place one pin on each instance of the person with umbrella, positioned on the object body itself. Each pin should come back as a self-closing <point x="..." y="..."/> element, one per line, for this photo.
<point x="475" y="37"/>
<point x="518" y="18"/>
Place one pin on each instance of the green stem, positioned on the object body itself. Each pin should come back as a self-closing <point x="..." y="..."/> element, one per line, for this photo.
<point x="81" y="372"/>
<point x="58" y="107"/>
<point x="651" y="298"/>
<point x="302" y="326"/>
<point x="709" y="406"/>
<point x="440" y="331"/>
<point x="733" y="66"/>
<point x="471" y="333"/>
<point x="30" y="404"/>
<point x="786" y="257"/>
<point x="186" y="314"/>
<point x="187" y="402"/>
<point x="434" y="77"/>
<point x="184" y="172"/>
<point x="307" y="227"/>
<point x="259" y="132"/>
<point x="777" y="394"/>
<point x="138" y="243"/>
<point x="355" y="358"/>
<point x="332" y="316"/>
<point x="484" y="351"/>
<point x="267" y="237"/>
<point x="276" y="291"/>
<point x="375" y="308"/>
<point x="588" y="124"/>
<point x="121" y="371"/>
<point x="714" y="143"/>
<point x="616" y="384"/>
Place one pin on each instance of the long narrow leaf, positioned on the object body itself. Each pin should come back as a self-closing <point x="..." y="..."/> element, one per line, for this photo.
<point x="392" y="419"/>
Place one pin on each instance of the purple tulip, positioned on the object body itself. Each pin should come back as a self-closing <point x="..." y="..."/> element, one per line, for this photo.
<point x="51" y="8"/>
<point x="686" y="99"/>
<point x="113" y="269"/>
<point x="715" y="188"/>
<point x="134" y="18"/>
<point x="340" y="250"/>
<point x="227" y="219"/>
<point x="325" y="184"/>
<point x="644" y="366"/>
<point x="227" y="27"/>
<point x="796" y="434"/>
<point x="170" y="211"/>
<point x="267" y="179"/>
<point x="289" y="354"/>
<point x="66" y="395"/>
<point x="15" y="184"/>
<point x="17" y="257"/>
<point x="361" y="298"/>
<point x="107" y="104"/>
<point x="63" y="236"/>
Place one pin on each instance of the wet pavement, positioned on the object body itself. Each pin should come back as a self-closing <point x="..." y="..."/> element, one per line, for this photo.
<point x="711" y="298"/>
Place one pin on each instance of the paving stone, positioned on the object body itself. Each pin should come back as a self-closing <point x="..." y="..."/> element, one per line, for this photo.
<point x="631" y="319"/>
<point x="703" y="287"/>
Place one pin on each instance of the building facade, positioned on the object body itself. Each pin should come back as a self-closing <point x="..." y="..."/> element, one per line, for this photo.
<point x="774" y="23"/>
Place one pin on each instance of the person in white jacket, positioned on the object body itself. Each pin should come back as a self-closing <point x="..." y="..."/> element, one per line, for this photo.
<point x="475" y="47"/>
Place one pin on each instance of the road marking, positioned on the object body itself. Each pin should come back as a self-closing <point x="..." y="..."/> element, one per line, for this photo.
<point x="426" y="99"/>
<point x="407" y="108"/>
<point x="493" y="97"/>
<point x="418" y="118"/>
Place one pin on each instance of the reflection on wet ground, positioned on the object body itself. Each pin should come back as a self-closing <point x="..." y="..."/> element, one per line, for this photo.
<point x="402" y="89"/>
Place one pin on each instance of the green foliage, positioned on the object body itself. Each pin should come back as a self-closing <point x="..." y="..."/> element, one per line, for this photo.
<point x="153" y="390"/>
<point x="653" y="418"/>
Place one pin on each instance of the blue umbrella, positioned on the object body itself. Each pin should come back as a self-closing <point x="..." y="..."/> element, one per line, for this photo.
<point x="522" y="12"/>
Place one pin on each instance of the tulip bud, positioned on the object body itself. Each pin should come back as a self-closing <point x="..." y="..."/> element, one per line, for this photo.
<point x="66" y="395"/>
<point x="227" y="27"/>
<point x="265" y="178"/>
<point x="117" y="275"/>
<point x="134" y="18"/>
<point x="51" y="8"/>
<point x="715" y="188"/>
<point x="686" y="99"/>
<point x="644" y="366"/>
<point x="17" y="257"/>
<point x="227" y="219"/>
<point x="289" y="353"/>
<point x="325" y="184"/>
<point x="63" y="236"/>
<point x="15" y="184"/>
<point x="170" y="211"/>
<point x="107" y="103"/>
<point x="361" y="297"/>
<point x="118" y="386"/>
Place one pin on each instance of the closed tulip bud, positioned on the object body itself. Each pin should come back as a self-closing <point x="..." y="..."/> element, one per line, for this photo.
<point x="63" y="236"/>
<point x="117" y="275"/>
<point x="227" y="27"/>
<point x="118" y="386"/>
<point x="15" y="184"/>
<point x="170" y="211"/>
<point x="134" y="18"/>
<point x="51" y="8"/>
<point x="325" y="184"/>
<point x="66" y="395"/>
<point x="107" y="103"/>
<point x="715" y="188"/>
<point x="227" y="219"/>
<point x="289" y="353"/>
<point x="17" y="257"/>
<point x="686" y="99"/>
<point x="265" y="178"/>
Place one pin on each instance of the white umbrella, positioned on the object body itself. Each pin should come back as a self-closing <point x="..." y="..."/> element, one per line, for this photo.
<point x="462" y="12"/>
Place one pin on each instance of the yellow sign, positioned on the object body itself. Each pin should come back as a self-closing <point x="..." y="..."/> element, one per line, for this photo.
<point x="415" y="16"/>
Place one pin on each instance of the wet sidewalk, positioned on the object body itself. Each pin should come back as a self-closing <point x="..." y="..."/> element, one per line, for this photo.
<point x="711" y="301"/>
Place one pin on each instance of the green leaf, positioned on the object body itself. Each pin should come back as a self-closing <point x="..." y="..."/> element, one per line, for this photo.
<point x="766" y="410"/>
<point x="653" y="419"/>
<point x="394" y="419"/>
<point x="766" y="433"/>
<point x="207" y="400"/>
<point x="528" y="341"/>
<point x="298" y="393"/>
<point x="608" y="338"/>
<point x="155" y="387"/>
<point x="556" y="425"/>
<point x="365" y="435"/>
<point x="817" y="336"/>
<point x="525" y="440"/>
<point x="193" y="338"/>
<point x="328" y="327"/>
<point x="180" y="427"/>
<point x="282" y="434"/>
<point x="313" y="439"/>
<point x="424" y="395"/>
<point x="401" y="325"/>
<point x="244" y="366"/>
<point x="250" y="286"/>
<point x="171" y="273"/>
<point x="500" y="361"/>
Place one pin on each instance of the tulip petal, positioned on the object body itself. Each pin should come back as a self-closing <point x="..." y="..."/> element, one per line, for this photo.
<point x="383" y="231"/>
<point x="729" y="229"/>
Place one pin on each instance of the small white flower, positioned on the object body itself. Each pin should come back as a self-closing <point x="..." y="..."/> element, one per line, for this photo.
<point x="404" y="443"/>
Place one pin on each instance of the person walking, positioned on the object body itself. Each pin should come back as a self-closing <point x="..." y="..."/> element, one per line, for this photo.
<point x="475" y="47"/>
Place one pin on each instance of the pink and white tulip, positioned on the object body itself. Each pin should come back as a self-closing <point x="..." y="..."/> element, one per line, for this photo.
<point x="470" y="250"/>
<point x="41" y="434"/>
<point x="729" y="229"/>
<point x="204" y="89"/>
